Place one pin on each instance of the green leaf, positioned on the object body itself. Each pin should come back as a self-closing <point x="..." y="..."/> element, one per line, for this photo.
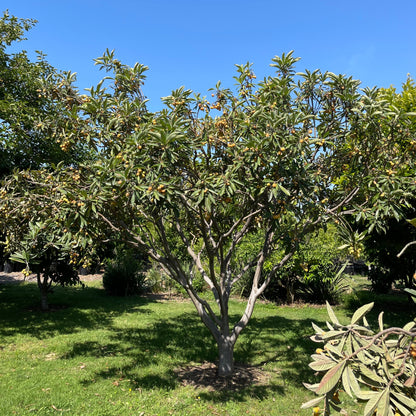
<point x="312" y="402"/>
<point x="317" y="329"/>
<point x="20" y="257"/>
<point x="331" y="335"/>
<point x="311" y="387"/>
<point x="331" y="314"/>
<point x="371" y="375"/>
<point x="323" y="364"/>
<point x="284" y="190"/>
<point x="350" y="383"/>
<point x="331" y="378"/>
<point x="409" y="326"/>
<point x="360" y="312"/>
<point x="377" y="399"/>
<point x="407" y="401"/>
<point x="404" y="411"/>
<point x="380" y="321"/>
<point x="346" y="380"/>
<point x="412" y="221"/>
<point x="335" y="350"/>
<point x="383" y="407"/>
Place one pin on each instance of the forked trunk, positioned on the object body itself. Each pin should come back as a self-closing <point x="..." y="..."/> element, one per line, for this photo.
<point x="226" y="357"/>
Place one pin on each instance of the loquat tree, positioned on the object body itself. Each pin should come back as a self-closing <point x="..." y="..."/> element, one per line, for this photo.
<point x="37" y="131"/>
<point x="26" y="100"/>
<point x="277" y="158"/>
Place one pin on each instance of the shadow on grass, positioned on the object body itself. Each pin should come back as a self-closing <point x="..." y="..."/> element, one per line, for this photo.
<point x="398" y="309"/>
<point x="86" y="308"/>
<point x="151" y="354"/>
<point x="177" y="342"/>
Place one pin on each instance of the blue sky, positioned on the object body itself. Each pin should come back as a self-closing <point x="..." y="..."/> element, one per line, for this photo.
<point x="195" y="43"/>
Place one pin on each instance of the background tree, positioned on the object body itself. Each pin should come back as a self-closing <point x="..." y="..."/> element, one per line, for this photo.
<point x="381" y="251"/>
<point x="27" y="100"/>
<point x="382" y="246"/>
<point x="37" y="131"/>
<point x="276" y="159"/>
<point x="38" y="234"/>
<point x="313" y="274"/>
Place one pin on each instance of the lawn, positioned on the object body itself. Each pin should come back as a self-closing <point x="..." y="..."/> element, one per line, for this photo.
<point x="117" y="356"/>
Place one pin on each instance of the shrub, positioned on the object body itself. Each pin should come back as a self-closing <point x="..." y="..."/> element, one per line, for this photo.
<point x="315" y="280"/>
<point x="158" y="281"/>
<point x="124" y="275"/>
<point x="285" y="286"/>
<point x="322" y="281"/>
<point x="381" y="251"/>
<point x="311" y="275"/>
<point x="155" y="279"/>
<point x="381" y="279"/>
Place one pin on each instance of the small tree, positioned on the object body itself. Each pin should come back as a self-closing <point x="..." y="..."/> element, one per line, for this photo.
<point x="37" y="126"/>
<point x="276" y="159"/>
<point x="39" y="234"/>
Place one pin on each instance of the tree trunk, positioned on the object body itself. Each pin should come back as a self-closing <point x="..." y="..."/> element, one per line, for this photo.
<point x="226" y="357"/>
<point x="290" y="293"/>
<point x="44" y="289"/>
<point x="44" y="300"/>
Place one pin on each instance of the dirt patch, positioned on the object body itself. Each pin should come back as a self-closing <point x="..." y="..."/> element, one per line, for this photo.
<point x="166" y="297"/>
<point x="17" y="277"/>
<point x="205" y="376"/>
<point x="91" y="277"/>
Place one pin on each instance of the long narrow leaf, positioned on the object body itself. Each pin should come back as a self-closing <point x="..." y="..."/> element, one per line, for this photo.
<point x="380" y="321"/>
<point x="331" y="314"/>
<point x="312" y="402"/>
<point x="331" y="378"/>
<point x="322" y="365"/>
<point x="372" y="404"/>
<point x="360" y="312"/>
<point x="350" y="382"/>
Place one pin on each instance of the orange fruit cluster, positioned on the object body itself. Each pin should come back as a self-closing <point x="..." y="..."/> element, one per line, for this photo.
<point x="413" y="350"/>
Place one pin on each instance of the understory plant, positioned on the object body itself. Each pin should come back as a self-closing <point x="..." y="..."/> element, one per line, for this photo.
<point x="314" y="274"/>
<point x="124" y="275"/>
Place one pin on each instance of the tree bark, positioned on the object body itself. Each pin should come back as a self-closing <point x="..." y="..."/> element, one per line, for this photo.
<point x="226" y="357"/>
<point x="43" y="288"/>
<point x="44" y="300"/>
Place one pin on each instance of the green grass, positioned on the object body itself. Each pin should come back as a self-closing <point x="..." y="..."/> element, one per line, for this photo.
<point x="116" y="356"/>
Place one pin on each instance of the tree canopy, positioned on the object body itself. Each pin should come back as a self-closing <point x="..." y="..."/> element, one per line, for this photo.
<point x="278" y="158"/>
<point x="28" y="97"/>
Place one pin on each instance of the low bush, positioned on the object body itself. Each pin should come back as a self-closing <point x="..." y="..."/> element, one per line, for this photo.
<point x="316" y="281"/>
<point x="158" y="281"/>
<point x="124" y="276"/>
<point x="311" y="275"/>
<point x="322" y="281"/>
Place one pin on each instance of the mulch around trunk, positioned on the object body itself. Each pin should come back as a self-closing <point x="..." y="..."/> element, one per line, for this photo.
<point x="205" y="376"/>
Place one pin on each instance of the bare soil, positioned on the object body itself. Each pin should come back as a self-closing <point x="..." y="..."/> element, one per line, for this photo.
<point x="17" y="277"/>
<point x="205" y="376"/>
